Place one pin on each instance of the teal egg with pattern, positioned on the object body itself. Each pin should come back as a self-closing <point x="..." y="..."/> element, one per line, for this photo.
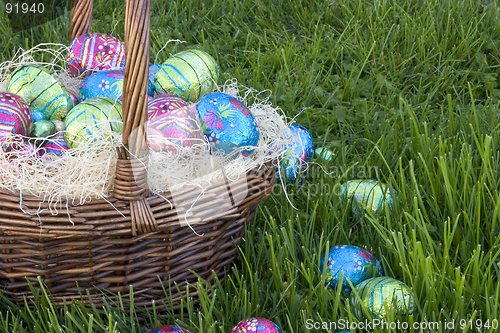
<point x="356" y="265"/>
<point x="380" y="294"/>
<point x="90" y="119"/>
<point x="189" y="74"/>
<point x="42" y="91"/>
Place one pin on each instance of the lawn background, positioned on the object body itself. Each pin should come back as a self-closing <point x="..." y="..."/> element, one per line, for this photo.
<point x="406" y="88"/>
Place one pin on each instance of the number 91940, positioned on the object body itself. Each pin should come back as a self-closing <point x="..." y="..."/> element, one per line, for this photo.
<point x="24" y="8"/>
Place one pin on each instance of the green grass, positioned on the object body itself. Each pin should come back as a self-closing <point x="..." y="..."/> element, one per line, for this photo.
<point x="407" y="88"/>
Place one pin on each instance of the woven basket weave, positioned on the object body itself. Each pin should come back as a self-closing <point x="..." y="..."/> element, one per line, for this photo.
<point x="132" y="238"/>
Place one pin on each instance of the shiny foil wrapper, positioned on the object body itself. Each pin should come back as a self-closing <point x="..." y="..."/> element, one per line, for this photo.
<point x="15" y="118"/>
<point x="92" y="52"/>
<point x="42" y="91"/>
<point x="56" y="146"/>
<point x="169" y="115"/>
<point x="366" y="194"/>
<point x="189" y="74"/>
<point x="87" y="119"/>
<point x="261" y="325"/>
<point x="227" y="124"/>
<point x="356" y="264"/>
<point x="105" y="84"/>
<point x="169" y="329"/>
<point x="297" y="153"/>
<point x="381" y="293"/>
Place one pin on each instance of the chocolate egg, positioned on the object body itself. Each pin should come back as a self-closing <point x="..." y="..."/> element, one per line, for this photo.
<point x="56" y="146"/>
<point x="356" y="264"/>
<point x="380" y="294"/>
<point x="105" y="84"/>
<point x="95" y="52"/>
<point x="169" y="328"/>
<point x="44" y="128"/>
<point x="15" y="119"/>
<point x="256" y="324"/>
<point x="37" y="116"/>
<point x="169" y="115"/>
<point x="297" y="153"/>
<point x="324" y="154"/>
<point x="88" y="118"/>
<point x="42" y="91"/>
<point x="155" y="139"/>
<point x="366" y="194"/>
<point x="189" y="74"/>
<point x="227" y="123"/>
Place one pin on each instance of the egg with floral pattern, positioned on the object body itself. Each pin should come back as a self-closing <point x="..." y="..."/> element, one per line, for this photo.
<point x="169" y="329"/>
<point x="256" y="324"/>
<point x="106" y="84"/>
<point x="93" y="52"/>
<point x="356" y="264"/>
<point x="227" y="124"/>
<point x="170" y="116"/>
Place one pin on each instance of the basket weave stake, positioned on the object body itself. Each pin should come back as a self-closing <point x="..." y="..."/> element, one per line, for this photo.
<point x="132" y="238"/>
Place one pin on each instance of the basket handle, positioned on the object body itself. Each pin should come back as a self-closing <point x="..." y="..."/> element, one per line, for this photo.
<point x="131" y="174"/>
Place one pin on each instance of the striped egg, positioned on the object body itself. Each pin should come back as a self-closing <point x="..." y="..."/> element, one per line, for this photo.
<point x="90" y="118"/>
<point x="189" y="74"/>
<point x="15" y="119"/>
<point x="366" y="195"/>
<point x="106" y="84"/>
<point x="354" y="263"/>
<point x="41" y="90"/>
<point x="55" y="147"/>
<point x="169" y="114"/>
<point x="381" y="294"/>
<point x="95" y="52"/>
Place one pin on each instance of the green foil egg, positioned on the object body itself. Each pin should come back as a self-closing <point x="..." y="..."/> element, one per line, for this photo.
<point x="380" y="294"/>
<point x="41" y="90"/>
<point x="366" y="194"/>
<point x="189" y="74"/>
<point x="44" y="128"/>
<point x="89" y="118"/>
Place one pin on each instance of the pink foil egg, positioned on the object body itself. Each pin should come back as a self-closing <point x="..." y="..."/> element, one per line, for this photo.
<point x="55" y="147"/>
<point x="256" y="324"/>
<point x="169" y="329"/>
<point x="15" y="119"/>
<point x="169" y="114"/>
<point x="92" y="52"/>
<point x="28" y="150"/>
<point x="74" y="99"/>
<point x="155" y="139"/>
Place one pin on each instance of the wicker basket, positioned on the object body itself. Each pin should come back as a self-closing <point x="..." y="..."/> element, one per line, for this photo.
<point x="132" y="238"/>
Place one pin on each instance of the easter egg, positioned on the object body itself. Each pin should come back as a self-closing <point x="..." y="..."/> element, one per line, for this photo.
<point x="297" y="152"/>
<point x="15" y="119"/>
<point x="37" y="115"/>
<point x="155" y="139"/>
<point x="356" y="264"/>
<point x="256" y="324"/>
<point x="189" y="74"/>
<point x="227" y="123"/>
<point x="55" y="146"/>
<point x="169" y="328"/>
<point x="41" y="90"/>
<point x="379" y="294"/>
<point x="169" y="115"/>
<point x="95" y="52"/>
<point x="59" y="125"/>
<point x="105" y="84"/>
<point x="28" y="150"/>
<point x="86" y="120"/>
<point x="74" y="99"/>
<point x="324" y="154"/>
<point x="44" y="128"/>
<point x="366" y="194"/>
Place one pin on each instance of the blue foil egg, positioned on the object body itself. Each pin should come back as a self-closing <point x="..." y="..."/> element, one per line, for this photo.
<point x="37" y="115"/>
<point x="227" y="123"/>
<point x="357" y="264"/>
<point x="106" y="84"/>
<point x="297" y="153"/>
